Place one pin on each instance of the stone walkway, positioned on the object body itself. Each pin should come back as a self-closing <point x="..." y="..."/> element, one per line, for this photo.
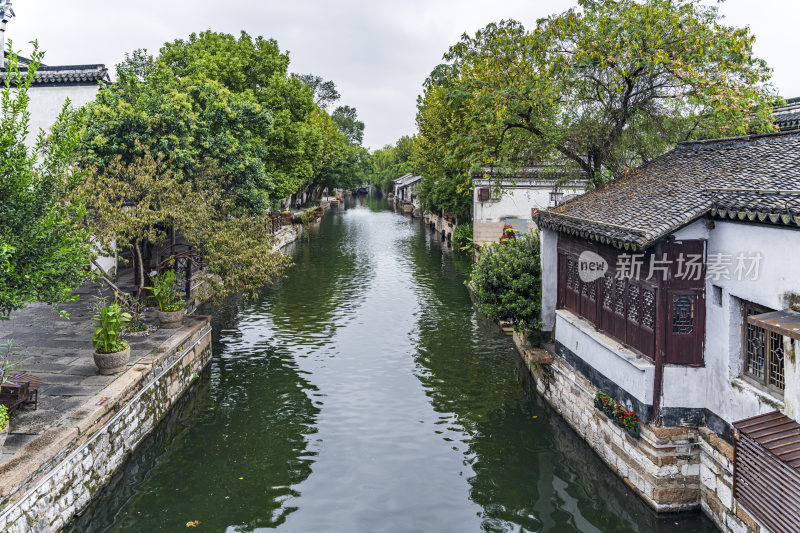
<point x="59" y="351"/>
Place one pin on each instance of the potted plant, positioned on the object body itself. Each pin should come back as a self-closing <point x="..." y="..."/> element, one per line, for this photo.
<point x="631" y="424"/>
<point x="111" y="351"/>
<point x="168" y="290"/>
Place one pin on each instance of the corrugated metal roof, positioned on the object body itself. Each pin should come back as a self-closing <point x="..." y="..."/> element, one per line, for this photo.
<point x="777" y="433"/>
<point x="785" y="322"/>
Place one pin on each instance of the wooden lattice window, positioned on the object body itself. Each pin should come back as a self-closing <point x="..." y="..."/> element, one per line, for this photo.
<point x="649" y="309"/>
<point x="619" y="290"/>
<point x="683" y="314"/>
<point x="608" y="292"/>
<point x="633" y="303"/>
<point x="571" y="274"/>
<point x="763" y="350"/>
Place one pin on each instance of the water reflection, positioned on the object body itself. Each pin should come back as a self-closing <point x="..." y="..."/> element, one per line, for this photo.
<point x="363" y="393"/>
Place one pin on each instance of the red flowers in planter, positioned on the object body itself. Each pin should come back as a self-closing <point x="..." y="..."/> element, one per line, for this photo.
<point x="509" y="234"/>
<point x="618" y="413"/>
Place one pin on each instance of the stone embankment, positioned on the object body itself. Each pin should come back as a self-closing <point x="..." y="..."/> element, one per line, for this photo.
<point x="60" y="455"/>
<point x="46" y="482"/>
<point x="670" y="468"/>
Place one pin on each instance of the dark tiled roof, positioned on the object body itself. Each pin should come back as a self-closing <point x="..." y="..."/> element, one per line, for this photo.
<point x="66" y="75"/>
<point x="555" y="171"/>
<point x="787" y="117"/>
<point x="754" y="178"/>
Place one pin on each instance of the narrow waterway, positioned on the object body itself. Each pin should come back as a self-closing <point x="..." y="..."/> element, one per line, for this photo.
<point x="363" y="394"/>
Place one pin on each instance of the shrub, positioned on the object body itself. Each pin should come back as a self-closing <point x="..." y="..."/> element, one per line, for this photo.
<point x="462" y="237"/>
<point x="3" y="417"/>
<point x="507" y="281"/>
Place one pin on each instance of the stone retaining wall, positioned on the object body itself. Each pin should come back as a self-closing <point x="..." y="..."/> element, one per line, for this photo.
<point x="440" y="224"/>
<point x="287" y="235"/>
<point x="671" y="468"/>
<point x="485" y="232"/>
<point x="64" y="468"/>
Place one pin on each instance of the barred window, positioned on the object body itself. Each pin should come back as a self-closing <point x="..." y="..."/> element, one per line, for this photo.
<point x="763" y="350"/>
<point x="682" y="314"/>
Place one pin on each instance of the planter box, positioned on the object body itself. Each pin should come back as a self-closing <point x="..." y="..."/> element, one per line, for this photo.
<point x="23" y="390"/>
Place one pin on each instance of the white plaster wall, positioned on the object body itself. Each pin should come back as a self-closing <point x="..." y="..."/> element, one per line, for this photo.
<point x="548" y="245"/>
<point x="699" y="229"/>
<point x="46" y="103"/>
<point x="718" y="386"/>
<point x="515" y="202"/>
<point x="627" y="369"/>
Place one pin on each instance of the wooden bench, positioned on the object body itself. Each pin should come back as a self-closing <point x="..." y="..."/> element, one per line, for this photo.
<point x="23" y="389"/>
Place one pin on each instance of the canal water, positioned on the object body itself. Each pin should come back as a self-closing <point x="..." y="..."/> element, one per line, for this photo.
<point x="362" y="393"/>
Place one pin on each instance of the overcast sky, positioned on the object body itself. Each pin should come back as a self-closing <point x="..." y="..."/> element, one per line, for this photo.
<point x="377" y="51"/>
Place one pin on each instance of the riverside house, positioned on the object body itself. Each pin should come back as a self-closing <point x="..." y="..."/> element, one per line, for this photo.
<point x="53" y="85"/>
<point x="675" y="291"/>
<point x="405" y="192"/>
<point x="514" y="199"/>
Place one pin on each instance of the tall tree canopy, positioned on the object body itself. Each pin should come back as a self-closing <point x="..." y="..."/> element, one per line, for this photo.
<point x="324" y="91"/>
<point x="189" y="119"/>
<point x="391" y="162"/>
<point x="44" y="248"/>
<point x="257" y="68"/>
<point x="603" y="87"/>
<point x="346" y="119"/>
<point x="446" y="179"/>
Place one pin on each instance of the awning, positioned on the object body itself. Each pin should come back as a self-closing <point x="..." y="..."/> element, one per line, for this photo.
<point x="786" y="322"/>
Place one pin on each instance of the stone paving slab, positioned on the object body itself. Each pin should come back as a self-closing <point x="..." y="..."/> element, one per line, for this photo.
<point x="59" y="351"/>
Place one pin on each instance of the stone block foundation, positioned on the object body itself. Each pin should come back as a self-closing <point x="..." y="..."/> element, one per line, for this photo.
<point x="671" y="468"/>
<point x="53" y="478"/>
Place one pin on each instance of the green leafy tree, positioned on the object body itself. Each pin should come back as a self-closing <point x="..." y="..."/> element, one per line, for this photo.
<point x="147" y="199"/>
<point x="45" y="249"/>
<point x="191" y="120"/>
<point x="346" y="119"/>
<point x="603" y="87"/>
<point x="257" y="68"/>
<point x="325" y="93"/>
<point x="507" y="282"/>
<point x="391" y="162"/>
<point x="446" y="179"/>
<point x="332" y="150"/>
